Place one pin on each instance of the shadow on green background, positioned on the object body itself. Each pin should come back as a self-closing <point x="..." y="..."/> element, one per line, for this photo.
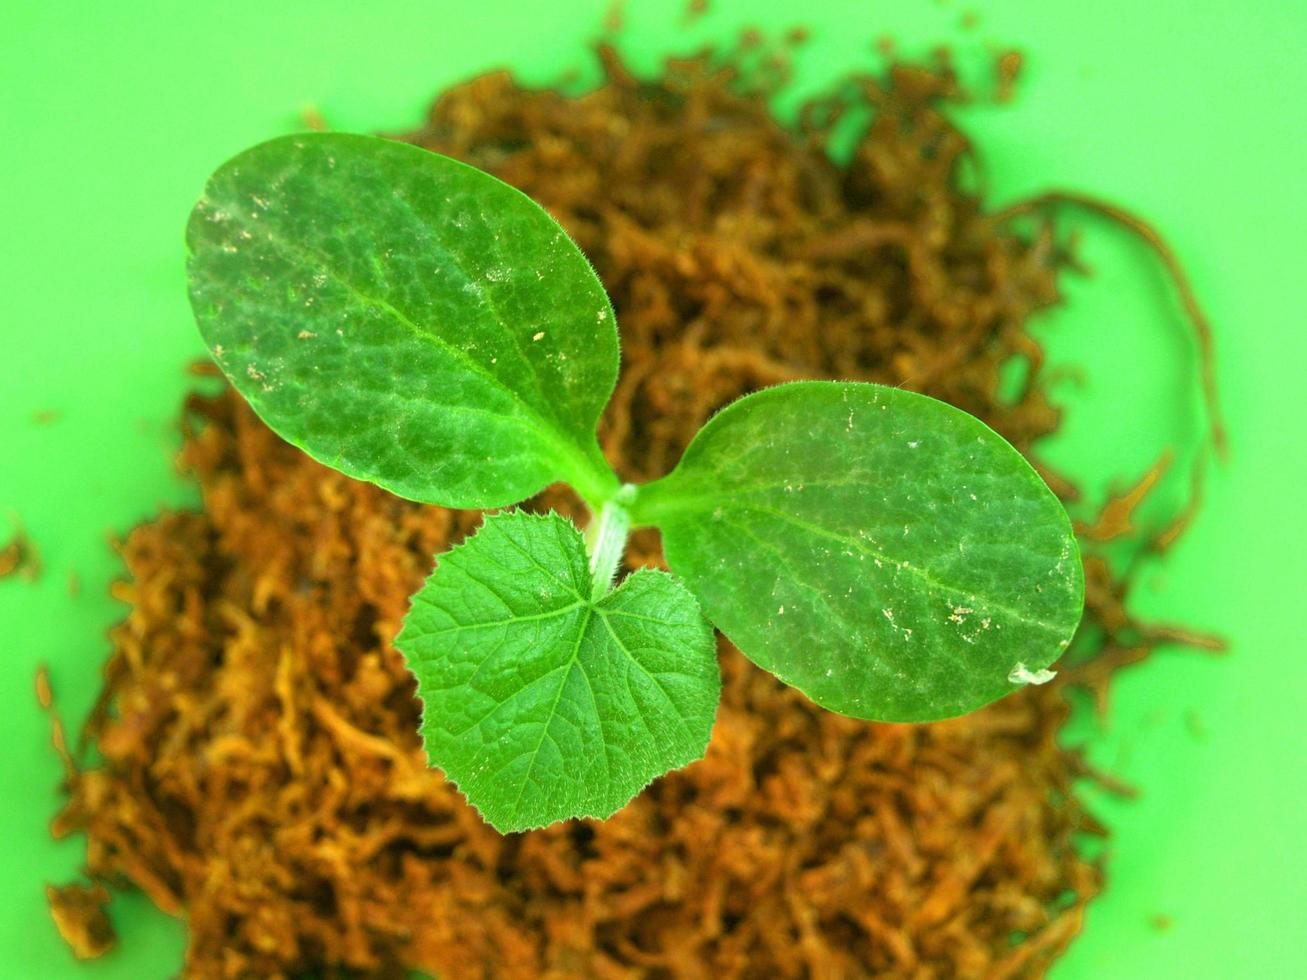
<point x="1189" y="113"/>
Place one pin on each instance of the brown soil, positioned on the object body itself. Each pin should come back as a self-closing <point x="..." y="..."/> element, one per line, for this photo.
<point x="261" y="769"/>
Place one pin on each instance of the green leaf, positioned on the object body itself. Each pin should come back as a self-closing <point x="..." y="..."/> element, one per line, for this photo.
<point x="541" y="703"/>
<point x="405" y="318"/>
<point x="887" y="554"/>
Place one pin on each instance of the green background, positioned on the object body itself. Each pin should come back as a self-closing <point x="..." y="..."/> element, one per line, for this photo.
<point x="1190" y="112"/>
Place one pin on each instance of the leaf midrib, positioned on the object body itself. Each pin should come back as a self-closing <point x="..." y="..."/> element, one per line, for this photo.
<point x="571" y="665"/>
<point x="487" y="291"/>
<point x="932" y="584"/>
<point x="562" y="441"/>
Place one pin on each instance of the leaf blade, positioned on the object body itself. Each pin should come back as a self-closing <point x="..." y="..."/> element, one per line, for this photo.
<point x="885" y="553"/>
<point x="405" y="318"/>
<point x="568" y="706"/>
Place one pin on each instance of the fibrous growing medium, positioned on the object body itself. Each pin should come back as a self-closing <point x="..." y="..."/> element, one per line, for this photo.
<point x="261" y="769"/>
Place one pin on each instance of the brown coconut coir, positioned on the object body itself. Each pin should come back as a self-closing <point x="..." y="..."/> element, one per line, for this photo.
<point x="261" y="772"/>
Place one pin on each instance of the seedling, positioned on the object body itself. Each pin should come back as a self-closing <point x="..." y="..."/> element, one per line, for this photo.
<point x="414" y="322"/>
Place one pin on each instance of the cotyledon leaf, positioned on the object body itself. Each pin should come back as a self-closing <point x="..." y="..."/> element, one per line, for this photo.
<point x="405" y="318"/>
<point x="887" y="554"/>
<point x="542" y="703"/>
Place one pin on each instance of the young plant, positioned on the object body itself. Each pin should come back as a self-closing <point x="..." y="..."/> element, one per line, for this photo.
<point x="413" y="322"/>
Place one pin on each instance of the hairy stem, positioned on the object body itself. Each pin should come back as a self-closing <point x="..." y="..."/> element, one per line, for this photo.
<point x="606" y="541"/>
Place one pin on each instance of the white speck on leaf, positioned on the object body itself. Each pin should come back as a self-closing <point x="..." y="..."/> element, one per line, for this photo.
<point x="1021" y="675"/>
<point x="539" y="336"/>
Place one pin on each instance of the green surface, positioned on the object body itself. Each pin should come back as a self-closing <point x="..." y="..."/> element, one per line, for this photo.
<point x="115" y="114"/>
<point x="405" y="318"/>
<point x="886" y="553"/>
<point x="543" y="701"/>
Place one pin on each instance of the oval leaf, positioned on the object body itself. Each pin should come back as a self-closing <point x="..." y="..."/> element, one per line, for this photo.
<point x="887" y="554"/>
<point x="405" y="318"/>
<point x="540" y="703"/>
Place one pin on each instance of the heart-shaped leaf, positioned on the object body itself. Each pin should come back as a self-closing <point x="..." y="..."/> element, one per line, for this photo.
<point x="887" y="554"/>
<point x="542" y="703"/>
<point x="405" y="318"/>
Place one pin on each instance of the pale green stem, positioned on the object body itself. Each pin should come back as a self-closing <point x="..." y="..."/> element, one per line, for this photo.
<point x="606" y="541"/>
<point x="588" y="474"/>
